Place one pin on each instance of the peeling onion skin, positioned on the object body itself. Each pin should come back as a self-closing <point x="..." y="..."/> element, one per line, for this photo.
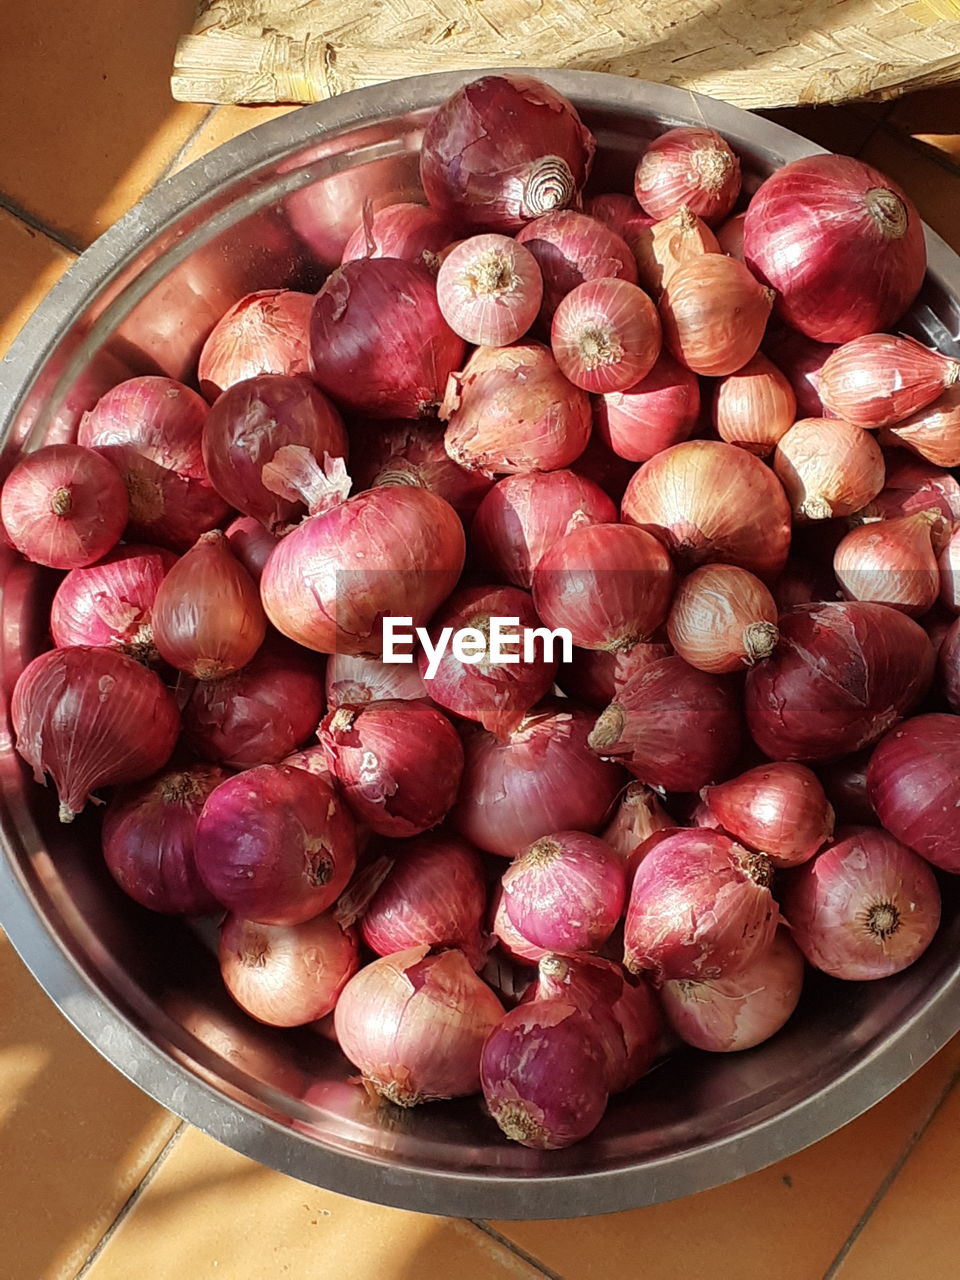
<point x="913" y="780"/>
<point x="265" y="332"/>
<point x="639" y="815"/>
<point x="840" y="677"/>
<point x="353" y="680"/>
<point x="779" y="809"/>
<point x="413" y="453"/>
<point x="738" y="1010"/>
<point x="667" y="244"/>
<point x="508" y="936"/>
<point x="109" y="603"/>
<point x="865" y="908"/>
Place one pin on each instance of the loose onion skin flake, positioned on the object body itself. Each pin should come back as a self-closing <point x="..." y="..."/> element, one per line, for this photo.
<point x="913" y="781"/>
<point x="265" y="332"/>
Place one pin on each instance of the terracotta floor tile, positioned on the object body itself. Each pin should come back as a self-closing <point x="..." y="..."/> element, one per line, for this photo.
<point x="935" y="188"/>
<point x="790" y="1220"/>
<point x="223" y="124"/>
<point x="209" y="1211"/>
<point x="933" y="116"/>
<point x="87" y="123"/>
<point x="76" y="1138"/>
<point x="836" y="128"/>
<point x="32" y="263"/>
<point x="914" y="1231"/>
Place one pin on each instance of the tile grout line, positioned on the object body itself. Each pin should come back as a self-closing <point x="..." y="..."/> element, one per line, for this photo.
<point x="188" y="142"/>
<point x="515" y="1249"/>
<point x="131" y="1201"/>
<point x="31" y="220"/>
<point x="891" y="1177"/>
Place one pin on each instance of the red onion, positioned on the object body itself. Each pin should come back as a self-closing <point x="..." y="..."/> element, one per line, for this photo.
<point x="207" y="616"/>
<point x="841" y="675"/>
<point x="512" y="411"/>
<point x="891" y="562"/>
<point x="378" y="342"/>
<point x="523" y="516"/>
<point x="389" y="552"/>
<point x="398" y="764"/>
<point x="722" y="619"/>
<point x="496" y="694"/>
<point x="275" y="844"/>
<point x="434" y="896"/>
<point x="91" y="717"/>
<point x="730" y="236"/>
<point x="948" y="662"/>
<point x="489" y="289"/>
<point x="110" y="603"/>
<point x="544" y="1075"/>
<point x="801" y="360"/>
<point x="565" y="892"/>
<point x="502" y="150"/>
<point x="937" y="624"/>
<point x="606" y="335"/>
<point x="710" y="502"/>
<point x="714" y="313"/>
<point x="509" y="938"/>
<point x="658" y="411"/>
<point x="249" y="424"/>
<point x="148" y="840"/>
<point x="672" y="726"/>
<point x="828" y="468"/>
<point x="616" y="210"/>
<point x="755" y="406"/>
<point x="264" y="332"/>
<point x="934" y="432"/>
<point x="63" y="506"/>
<point x="287" y="975"/>
<point x="608" y="584"/>
<point x="413" y="232"/>
<point x="257" y="715"/>
<point x="913" y="781"/>
<point x="667" y="244"/>
<point x="878" y="380"/>
<point x="845" y="784"/>
<point x="571" y="248"/>
<point x="913" y="485"/>
<point x="251" y="544"/>
<point x="841" y="244"/>
<point x="544" y="778"/>
<point x="415" y="1024"/>
<point x="864" y="908"/>
<point x="778" y="809"/>
<point x="639" y="814"/>
<point x="595" y="676"/>
<point x="414" y="453"/>
<point x="353" y="680"/>
<point x="738" y="1010"/>
<point x="692" y="167"/>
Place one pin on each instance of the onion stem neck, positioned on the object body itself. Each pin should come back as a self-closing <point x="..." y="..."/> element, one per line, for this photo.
<point x="883" y="920"/>
<point x="608" y="729"/>
<point x="759" y="641"/>
<point x="888" y="212"/>
<point x="490" y="275"/>
<point x="61" y="501"/>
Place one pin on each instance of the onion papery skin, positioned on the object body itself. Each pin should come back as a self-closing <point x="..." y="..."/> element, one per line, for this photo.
<point x="595" y="676"/>
<point x="414" y="454"/>
<point x="510" y="940"/>
<point x="543" y="1074"/>
<point x="616" y="210"/>
<point x="435" y="895"/>
<point x="672" y="726"/>
<point x="415" y="1025"/>
<point x="414" y="232"/>
<point x="250" y="422"/>
<point x="398" y="764"/>
<point x="275" y="844"/>
<point x="511" y="411"/>
<point x="828" y="468"/>
<point x="699" y="908"/>
<point x="610" y="585"/>
<point x="934" y="432"/>
<point x="287" y="975"/>
<point x="502" y="150"/>
<point x="891" y="562"/>
<point x="207" y="616"/>
<point x="840" y="677"/>
<point x="688" y="167"/>
<point x="723" y="619"/>
<point x="801" y="360"/>
<point x="378" y="342"/>
<point x="64" y="506"/>
<point x="709" y="502"/>
<point x="489" y="289"/>
<point x="251" y="544"/>
<point x="265" y="332"/>
<point x="354" y="681"/>
<point x="730" y="236"/>
<point x="571" y="248"/>
<point x="523" y="516"/>
<point x="865" y="908"/>
<point x="841" y="244"/>
<point x="257" y="715"/>
<point x="606" y="335"/>
<point x="392" y="551"/>
<point x="110" y="603"/>
<point x="738" y="1010"/>
<point x="667" y="244"/>
<point x="544" y="778"/>
<point x="91" y="717"/>
<point x="912" y="484"/>
<point x="658" y="411"/>
<point x="755" y="407"/>
<point x="913" y="781"/>
<point x="565" y="892"/>
<point x="714" y="313"/>
<point x="149" y="832"/>
<point x="879" y="380"/>
<point x="494" y="694"/>
<point x="638" y="815"/>
<point x="779" y="809"/>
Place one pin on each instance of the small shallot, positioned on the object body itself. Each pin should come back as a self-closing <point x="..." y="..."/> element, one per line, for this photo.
<point x="489" y="289"/>
<point x="264" y="332"/>
<point x="828" y="467"/>
<point x="755" y="407"/>
<point x="714" y="313"/>
<point x="891" y="562"/>
<point x="688" y="167"/>
<point x="606" y="335"/>
<point x="722" y="619"/>
<point x="571" y="248"/>
<point x="879" y="380"/>
<point x="779" y="809"/>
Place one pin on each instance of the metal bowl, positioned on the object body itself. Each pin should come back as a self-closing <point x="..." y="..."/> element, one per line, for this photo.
<point x="274" y="207"/>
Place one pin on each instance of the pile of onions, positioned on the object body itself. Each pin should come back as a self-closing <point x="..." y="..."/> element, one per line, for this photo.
<point x="722" y="619"/>
<point x="714" y="313"/>
<point x="111" y="603"/>
<point x="570" y="249"/>
<point x="658" y="411"/>
<point x="913" y="781"/>
<point x="606" y="335"/>
<point x="413" y="232"/>
<point x="688" y="167"/>
<point x="354" y="679"/>
<point x="879" y="380"/>
<point x="779" y="809"/>
<point x="668" y="244"/>
<point x="489" y="289"/>
<point x="891" y="562"/>
<point x="264" y="332"/>
<point x="755" y="407"/>
<point x="828" y="468"/>
<point x="414" y="453"/>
